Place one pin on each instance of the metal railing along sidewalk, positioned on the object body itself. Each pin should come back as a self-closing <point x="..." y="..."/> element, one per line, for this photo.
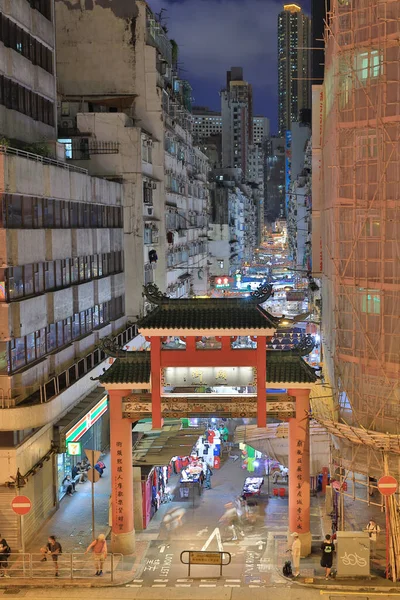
<point x="69" y="566"/>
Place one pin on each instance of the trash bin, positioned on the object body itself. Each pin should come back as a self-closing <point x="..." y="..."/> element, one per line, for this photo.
<point x="353" y="554"/>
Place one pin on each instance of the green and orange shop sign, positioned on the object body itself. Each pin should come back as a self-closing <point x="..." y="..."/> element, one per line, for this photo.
<point x="84" y="424"/>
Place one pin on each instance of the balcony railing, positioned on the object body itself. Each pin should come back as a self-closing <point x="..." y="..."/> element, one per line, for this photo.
<point x="42" y="159"/>
<point x="59" y="383"/>
<point x="84" y="148"/>
<point x="158" y="37"/>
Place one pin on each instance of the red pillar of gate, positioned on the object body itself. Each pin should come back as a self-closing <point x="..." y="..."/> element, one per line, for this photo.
<point x="299" y="470"/>
<point x="122" y="533"/>
<point x="155" y="357"/>
<point x="261" y="381"/>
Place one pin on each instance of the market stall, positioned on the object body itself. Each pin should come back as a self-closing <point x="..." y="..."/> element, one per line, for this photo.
<point x="191" y="480"/>
<point x="252" y="486"/>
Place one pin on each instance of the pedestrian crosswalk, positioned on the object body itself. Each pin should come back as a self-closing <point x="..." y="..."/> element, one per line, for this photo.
<point x="183" y="583"/>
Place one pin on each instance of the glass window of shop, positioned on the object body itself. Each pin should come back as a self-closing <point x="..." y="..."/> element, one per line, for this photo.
<point x="93" y="432"/>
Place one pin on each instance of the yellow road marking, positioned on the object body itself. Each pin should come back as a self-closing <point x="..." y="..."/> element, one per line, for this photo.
<point x="345" y="593"/>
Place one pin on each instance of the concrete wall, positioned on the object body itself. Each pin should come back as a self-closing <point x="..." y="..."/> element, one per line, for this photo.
<point x="86" y="36"/>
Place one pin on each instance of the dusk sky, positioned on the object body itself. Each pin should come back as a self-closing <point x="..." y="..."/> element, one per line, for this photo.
<point x="214" y="35"/>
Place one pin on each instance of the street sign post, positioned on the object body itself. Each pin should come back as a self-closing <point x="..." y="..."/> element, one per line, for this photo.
<point x="387" y="485"/>
<point x="93" y="456"/>
<point x="21" y="505"/>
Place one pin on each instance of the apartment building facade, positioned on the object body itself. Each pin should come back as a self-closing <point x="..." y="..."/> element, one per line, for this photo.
<point x="294" y="65"/>
<point x="355" y="229"/>
<point x="62" y="277"/>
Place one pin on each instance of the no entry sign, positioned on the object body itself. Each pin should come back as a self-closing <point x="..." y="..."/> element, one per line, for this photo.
<point x="21" y="505"/>
<point x="387" y="485"/>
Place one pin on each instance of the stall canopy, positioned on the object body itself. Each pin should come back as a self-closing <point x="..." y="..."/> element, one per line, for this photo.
<point x="157" y="447"/>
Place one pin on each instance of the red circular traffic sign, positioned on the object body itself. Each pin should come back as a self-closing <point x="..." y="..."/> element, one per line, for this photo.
<point x="21" y="505"/>
<point x="387" y="485"/>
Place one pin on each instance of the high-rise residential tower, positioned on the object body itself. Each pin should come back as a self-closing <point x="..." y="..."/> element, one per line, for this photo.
<point x="294" y="65"/>
<point x="237" y="120"/>
<point x="319" y="11"/>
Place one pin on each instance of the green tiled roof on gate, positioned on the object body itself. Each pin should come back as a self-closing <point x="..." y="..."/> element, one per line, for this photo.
<point x="130" y="369"/>
<point x="208" y="313"/>
<point x="282" y="367"/>
<point x="288" y="366"/>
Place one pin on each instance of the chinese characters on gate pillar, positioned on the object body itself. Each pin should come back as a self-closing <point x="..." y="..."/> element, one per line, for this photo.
<point x="118" y="510"/>
<point x="299" y="485"/>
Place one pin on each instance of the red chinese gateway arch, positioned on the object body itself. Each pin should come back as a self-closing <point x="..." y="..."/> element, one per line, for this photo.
<point x="207" y="329"/>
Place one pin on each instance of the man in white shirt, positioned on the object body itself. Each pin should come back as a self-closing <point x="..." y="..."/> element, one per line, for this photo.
<point x="373" y="531"/>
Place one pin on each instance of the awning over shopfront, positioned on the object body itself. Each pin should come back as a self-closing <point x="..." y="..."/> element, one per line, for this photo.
<point x="157" y="447"/>
<point x="80" y="418"/>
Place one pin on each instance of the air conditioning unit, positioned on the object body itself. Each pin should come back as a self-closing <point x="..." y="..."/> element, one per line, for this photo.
<point x="154" y="186"/>
<point x="149" y="211"/>
<point x="67" y="124"/>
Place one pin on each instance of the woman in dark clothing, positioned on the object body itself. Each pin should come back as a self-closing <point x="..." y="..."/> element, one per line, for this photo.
<point x="328" y="549"/>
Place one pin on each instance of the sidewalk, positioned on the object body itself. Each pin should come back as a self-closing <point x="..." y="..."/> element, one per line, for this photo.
<point x="357" y="515"/>
<point x="72" y="522"/>
<point x="72" y="526"/>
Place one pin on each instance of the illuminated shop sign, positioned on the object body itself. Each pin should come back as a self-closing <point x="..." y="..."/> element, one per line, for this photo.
<point x="84" y="424"/>
<point x="74" y="448"/>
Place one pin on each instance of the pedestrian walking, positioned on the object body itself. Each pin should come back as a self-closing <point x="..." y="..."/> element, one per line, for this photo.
<point x="99" y="550"/>
<point x="54" y="549"/>
<point x="5" y="552"/>
<point x="209" y="474"/>
<point x="296" y="553"/>
<point x="373" y="531"/>
<point x="275" y="476"/>
<point x="328" y="549"/>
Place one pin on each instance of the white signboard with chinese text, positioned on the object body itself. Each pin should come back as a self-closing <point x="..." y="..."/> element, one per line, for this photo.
<point x="209" y="376"/>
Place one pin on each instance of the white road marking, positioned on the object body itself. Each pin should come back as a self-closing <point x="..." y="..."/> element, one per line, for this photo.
<point x="232" y="580"/>
<point x="161" y="581"/>
<point x="231" y="585"/>
<point x="159" y="585"/>
<point x="138" y="580"/>
<point x="134" y="585"/>
<point x="184" y="580"/>
<point x="183" y="585"/>
<point x="215" y="534"/>
<point x="254" y="586"/>
<point x="208" y="585"/>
